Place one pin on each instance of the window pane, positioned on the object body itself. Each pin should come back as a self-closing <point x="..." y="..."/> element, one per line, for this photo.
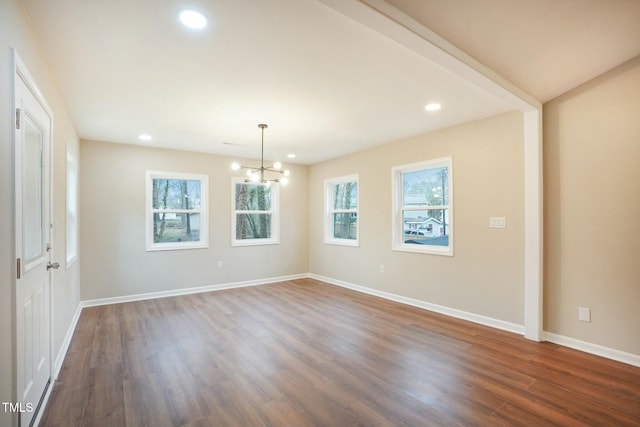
<point x="345" y="195"/>
<point x="428" y="227"/>
<point x="345" y="225"/>
<point x="252" y="197"/>
<point x="72" y="207"/>
<point x="425" y="187"/>
<point x="176" y="194"/>
<point x="253" y="226"/>
<point x="32" y="196"/>
<point x="176" y="227"/>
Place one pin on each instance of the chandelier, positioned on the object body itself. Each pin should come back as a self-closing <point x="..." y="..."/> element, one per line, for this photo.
<point x="260" y="174"/>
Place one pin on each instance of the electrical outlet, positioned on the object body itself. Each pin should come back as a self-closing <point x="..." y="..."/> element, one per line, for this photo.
<point x="584" y="314"/>
<point x="381" y="268"/>
<point x="219" y="264"/>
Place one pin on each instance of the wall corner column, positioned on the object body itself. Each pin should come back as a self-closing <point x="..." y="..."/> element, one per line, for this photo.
<point x="533" y="239"/>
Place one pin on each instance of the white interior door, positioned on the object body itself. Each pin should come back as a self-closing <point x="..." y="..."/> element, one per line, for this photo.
<point x="32" y="220"/>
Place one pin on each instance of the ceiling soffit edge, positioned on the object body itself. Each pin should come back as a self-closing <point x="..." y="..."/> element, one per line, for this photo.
<point x="389" y="21"/>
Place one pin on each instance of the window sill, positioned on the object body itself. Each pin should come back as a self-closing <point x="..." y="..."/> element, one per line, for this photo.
<point x="254" y="242"/>
<point x="176" y="247"/>
<point x="342" y="242"/>
<point x="444" y="251"/>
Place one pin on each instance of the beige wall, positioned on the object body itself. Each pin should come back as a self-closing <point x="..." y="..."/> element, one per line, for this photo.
<point x="592" y="206"/>
<point x="592" y="210"/>
<point x="486" y="274"/>
<point x="15" y="32"/>
<point x="112" y="209"/>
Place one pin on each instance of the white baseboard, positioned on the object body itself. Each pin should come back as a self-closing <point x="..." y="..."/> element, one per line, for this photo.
<point x="598" y="350"/>
<point x="187" y="291"/>
<point x="65" y="344"/>
<point x="475" y="318"/>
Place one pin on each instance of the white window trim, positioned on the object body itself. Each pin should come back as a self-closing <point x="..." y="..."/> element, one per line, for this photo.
<point x="274" y="211"/>
<point x="397" y="235"/>
<point x="204" y="211"/>
<point x="72" y="227"/>
<point x="329" y="211"/>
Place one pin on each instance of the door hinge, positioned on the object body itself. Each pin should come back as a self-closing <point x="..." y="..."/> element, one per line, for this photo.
<point x="19" y="268"/>
<point x="18" y="118"/>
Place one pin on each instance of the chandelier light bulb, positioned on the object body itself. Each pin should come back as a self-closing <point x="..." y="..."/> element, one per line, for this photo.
<point x="286" y="172"/>
<point x="263" y="174"/>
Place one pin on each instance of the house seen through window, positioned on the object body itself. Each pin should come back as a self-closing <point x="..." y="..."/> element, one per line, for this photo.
<point x="423" y="207"/>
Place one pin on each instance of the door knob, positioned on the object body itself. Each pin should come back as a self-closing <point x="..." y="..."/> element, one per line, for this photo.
<point x="54" y="265"/>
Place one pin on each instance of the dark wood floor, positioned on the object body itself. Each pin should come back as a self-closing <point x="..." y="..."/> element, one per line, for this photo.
<point x="304" y="353"/>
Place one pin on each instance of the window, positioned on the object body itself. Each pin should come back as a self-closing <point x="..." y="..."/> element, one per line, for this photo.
<point x="176" y="211"/>
<point x="72" y="208"/>
<point x="341" y="211"/>
<point x="423" y="207"/>
<point x="255" y="219"/>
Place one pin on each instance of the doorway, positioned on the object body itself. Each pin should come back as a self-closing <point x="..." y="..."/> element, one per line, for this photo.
<point x="33" y="219"/>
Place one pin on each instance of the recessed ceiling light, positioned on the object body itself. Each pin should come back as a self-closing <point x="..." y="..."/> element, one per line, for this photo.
<point x="144" y="137"/>
<point x="192" y="19"/>
<point x="434" y="106"/>
<point x="291" y="156"/>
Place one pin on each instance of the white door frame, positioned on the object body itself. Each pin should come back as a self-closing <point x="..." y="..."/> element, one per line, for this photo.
<point x="21" y="72"/>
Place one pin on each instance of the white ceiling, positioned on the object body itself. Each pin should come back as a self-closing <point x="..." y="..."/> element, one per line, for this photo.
<point x="326" y="84"/>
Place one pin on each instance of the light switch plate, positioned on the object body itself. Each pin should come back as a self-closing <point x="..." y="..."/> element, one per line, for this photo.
<point x="497" y="222"/>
